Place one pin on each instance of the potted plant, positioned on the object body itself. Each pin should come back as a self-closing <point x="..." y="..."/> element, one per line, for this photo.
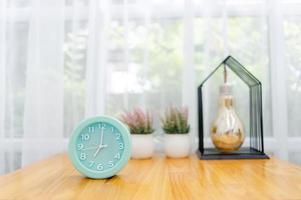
<point x="140" y="124"/>
<point x="176" y="128"/>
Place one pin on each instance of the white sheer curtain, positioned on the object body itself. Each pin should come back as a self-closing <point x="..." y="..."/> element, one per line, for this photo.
<point x="61" y="61"/>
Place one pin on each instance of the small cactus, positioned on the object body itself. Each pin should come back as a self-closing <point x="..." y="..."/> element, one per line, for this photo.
<point x="175" y="121"/>
<point x="139" y="122"/>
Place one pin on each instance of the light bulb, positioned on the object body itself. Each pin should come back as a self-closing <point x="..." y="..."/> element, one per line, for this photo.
<point x="227" y="132"/>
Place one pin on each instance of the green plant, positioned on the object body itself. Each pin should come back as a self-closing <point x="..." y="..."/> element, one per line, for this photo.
<point x="139" y="122"/>
<point x="175" y="121"/>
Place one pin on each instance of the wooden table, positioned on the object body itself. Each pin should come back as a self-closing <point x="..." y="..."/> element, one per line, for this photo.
<point x="158" y="178"/>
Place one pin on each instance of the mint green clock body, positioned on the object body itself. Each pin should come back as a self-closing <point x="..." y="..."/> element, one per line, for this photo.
<point x="100" y="147"/>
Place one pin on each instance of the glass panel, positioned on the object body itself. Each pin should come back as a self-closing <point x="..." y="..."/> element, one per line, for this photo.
<point x="243" y="37"/>
<point x="12" y="160"/>
<point x="75" y="50"/>
<point x="295" y="157"/>
<point x="292" y="33"/>
<point x="146" y="63"/>
<point x="16" y="60"/>
<point x="211" y="101"/>
<point x="18" y="3"/>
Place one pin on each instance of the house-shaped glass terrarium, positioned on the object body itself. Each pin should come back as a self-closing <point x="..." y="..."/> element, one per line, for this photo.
<point x="230" y="114"/>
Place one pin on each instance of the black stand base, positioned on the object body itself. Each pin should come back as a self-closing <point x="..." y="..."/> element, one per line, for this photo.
<point x="242" y="153"/>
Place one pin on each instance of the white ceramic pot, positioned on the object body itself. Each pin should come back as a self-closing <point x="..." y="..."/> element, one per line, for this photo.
<point x="142" y="146"/>
<point x="176" y="145"/>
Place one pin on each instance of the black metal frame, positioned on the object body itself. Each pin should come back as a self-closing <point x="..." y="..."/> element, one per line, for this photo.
<point x="256" y="149"/>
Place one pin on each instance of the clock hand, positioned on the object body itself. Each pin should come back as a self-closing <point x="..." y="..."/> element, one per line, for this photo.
<point x="100" y="143"/>
<point x="101" y="137"/>
<point x="89" y="148"/>
<point x="100" y="147"/>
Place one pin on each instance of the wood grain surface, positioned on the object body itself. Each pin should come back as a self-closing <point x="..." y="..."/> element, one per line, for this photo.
<point x="158" y="178"/>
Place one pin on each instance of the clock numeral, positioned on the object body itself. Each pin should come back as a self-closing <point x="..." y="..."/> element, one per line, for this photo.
<point x="117" y="156"/>
<point x="91" y="163"/>
<point x="112" y="129"/>
<point x="91" y="129"/>
<point x="85" y="136"/>
<point x="83" y="156"/>
<point x="117" y="136"/>
<point x="80" y="146"/>
<point x="101" y="126"/>
<point x="111" y="163"/>
<point x="121" y="146"/>
<point x="99" y="167"/>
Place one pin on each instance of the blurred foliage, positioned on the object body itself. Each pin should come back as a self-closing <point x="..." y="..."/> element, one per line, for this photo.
<point x="155" y="48"/>
<point x="175" y="120"/>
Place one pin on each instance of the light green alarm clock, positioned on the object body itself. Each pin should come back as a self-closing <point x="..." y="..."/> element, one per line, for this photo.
<point x="100" y="147"/>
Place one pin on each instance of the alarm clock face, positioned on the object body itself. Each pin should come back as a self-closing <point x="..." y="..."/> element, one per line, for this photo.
<point x="100" y="147"/>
